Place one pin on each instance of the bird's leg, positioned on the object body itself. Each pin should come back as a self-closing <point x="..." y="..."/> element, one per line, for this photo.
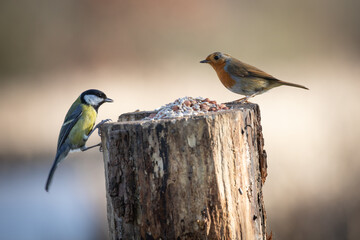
<point x="245" y="99"/>
<point x="87" y="148"/>
<point x="98" y="125"/>
<point x="99" y="144"/>
<point x="241" y="99"/>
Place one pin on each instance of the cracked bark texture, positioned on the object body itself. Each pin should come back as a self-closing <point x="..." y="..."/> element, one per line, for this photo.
<point x="197" y="177"/>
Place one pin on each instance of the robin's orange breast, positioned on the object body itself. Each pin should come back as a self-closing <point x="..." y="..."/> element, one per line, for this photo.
<point x="224" y="77"/>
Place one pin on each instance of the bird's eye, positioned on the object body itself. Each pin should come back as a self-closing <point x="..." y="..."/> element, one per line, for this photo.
<point x="216" y="57"/>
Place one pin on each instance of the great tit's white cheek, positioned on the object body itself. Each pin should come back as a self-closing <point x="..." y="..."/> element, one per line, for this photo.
<point x="93" y="100"/>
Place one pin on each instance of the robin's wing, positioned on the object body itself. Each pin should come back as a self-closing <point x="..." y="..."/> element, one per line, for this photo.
<point x="69" y="122"/>
<point x="245" y="70"/>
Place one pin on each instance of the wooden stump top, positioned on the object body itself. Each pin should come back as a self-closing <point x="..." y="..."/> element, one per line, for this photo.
<point x="195" y="177"/>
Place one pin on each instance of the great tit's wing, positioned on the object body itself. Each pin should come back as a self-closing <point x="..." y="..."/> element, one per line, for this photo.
<point x="245" y="70"/>
<point x="69" y="122"/>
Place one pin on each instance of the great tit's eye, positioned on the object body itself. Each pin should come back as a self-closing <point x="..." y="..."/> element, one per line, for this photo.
<point x="216" y="57"/>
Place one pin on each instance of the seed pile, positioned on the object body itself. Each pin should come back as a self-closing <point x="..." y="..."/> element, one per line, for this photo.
<point x="186" y="106"/>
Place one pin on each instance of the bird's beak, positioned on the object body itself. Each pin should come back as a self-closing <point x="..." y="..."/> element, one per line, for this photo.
<point x="108" y="100"/>
<point x="204" y="61"/>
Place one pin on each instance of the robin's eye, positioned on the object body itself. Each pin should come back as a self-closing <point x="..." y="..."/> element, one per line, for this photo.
<point x="216" y="57"/>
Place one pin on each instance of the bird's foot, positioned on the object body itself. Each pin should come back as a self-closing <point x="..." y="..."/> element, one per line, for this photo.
<point x="242" y="100"/>
<point x="101" y="123"/>
<point x="245" y="99"/>
<point x="98" y="125"/>
<point x="104" y="121"/>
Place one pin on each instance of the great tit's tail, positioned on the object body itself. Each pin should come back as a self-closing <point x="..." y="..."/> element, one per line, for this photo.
<point x="60" y="155"/>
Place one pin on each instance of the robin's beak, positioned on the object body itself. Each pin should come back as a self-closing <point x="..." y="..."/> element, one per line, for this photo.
<point x="204" y="61"/>
<point x="108" y="100"/>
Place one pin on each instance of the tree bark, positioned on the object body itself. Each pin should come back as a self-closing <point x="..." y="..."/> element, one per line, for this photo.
<point x="197" y="177"/>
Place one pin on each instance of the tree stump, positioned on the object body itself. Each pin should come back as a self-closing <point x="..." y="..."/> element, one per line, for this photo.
<point x="197" y="177"/>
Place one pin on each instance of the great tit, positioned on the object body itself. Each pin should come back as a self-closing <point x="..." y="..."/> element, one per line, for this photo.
<point x="78" y="126"/>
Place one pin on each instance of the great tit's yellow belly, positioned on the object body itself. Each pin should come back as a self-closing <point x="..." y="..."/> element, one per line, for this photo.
<point x="79" y="134"/>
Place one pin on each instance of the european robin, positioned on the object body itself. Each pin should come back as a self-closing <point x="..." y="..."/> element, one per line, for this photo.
<point x="242" y="78"/>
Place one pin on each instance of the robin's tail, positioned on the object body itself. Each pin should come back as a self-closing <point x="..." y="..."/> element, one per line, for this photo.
<point x="292" y="85"/>
<point x="60" y="155"/>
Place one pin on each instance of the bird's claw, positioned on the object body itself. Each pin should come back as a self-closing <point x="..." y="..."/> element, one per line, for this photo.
<point x="242" y="100"/>
<point x="101" y="123"/>
<point x="104" y="121"/>
<point x="245" y="100"/>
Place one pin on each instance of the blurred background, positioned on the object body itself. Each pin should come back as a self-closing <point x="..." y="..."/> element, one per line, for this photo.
<point x="144" y="54"/>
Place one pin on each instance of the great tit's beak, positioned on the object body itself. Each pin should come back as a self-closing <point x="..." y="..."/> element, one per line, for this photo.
<point x="108" y="100"/>
<point x="204" y="61"/>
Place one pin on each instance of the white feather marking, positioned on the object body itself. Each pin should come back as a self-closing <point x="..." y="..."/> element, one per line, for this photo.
<point x="75" y="150"/>
<point x="66" y="123"/>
